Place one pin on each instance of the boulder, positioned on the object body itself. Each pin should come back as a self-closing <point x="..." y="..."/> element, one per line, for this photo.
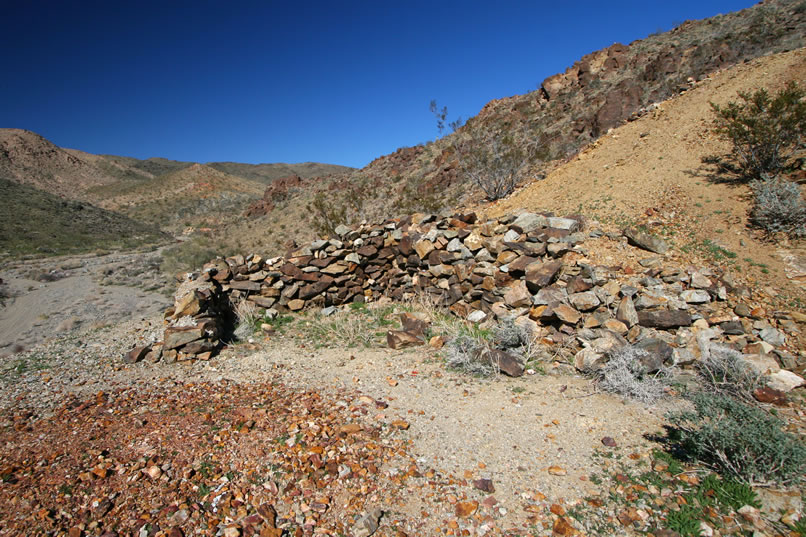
<point x="646" y="241"/>
<point x="626" y="312"/>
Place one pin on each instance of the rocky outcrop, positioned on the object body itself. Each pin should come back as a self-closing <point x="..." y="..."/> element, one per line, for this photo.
<point x="277" y="191"/>
<point x="532" y="267"/>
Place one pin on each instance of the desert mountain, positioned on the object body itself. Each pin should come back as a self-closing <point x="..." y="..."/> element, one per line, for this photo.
<point x="157" y="191"/>
<point x="568" y="112"/>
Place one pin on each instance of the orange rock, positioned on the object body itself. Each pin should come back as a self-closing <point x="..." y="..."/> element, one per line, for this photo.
<point x="465" y="509"/>
<point x="563" y="527"/>
<point x="557" y="470"/>
<point x="400" y="424"/>
<point x="557" y="509"/>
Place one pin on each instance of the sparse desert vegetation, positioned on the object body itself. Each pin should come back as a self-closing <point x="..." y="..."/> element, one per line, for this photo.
<point x="556" y="320"/>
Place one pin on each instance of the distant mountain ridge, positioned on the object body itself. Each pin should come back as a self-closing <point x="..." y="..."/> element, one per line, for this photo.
<point x="28" y="158"/>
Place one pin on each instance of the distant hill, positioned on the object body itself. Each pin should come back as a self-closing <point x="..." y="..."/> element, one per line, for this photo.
<point x="168" y="193"/>
<point x="196" y="195"/>
<point x="35" y="222"/>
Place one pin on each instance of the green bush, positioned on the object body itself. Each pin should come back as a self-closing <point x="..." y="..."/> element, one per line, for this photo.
<point x="764" y="130"/>
<point x="739" y="440"/>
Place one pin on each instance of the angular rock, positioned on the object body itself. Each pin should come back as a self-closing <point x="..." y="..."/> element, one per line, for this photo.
<point x="541" y="275"/>
<point x="401" y="339"/>
<point x="566" y="314"/>
<point x="528" y="222"/>
<point x="695" y="296"/>
<point x="765" y="394"/>
<point x="664" y="319"/>
<point x="584" y="301"/>
<point x="785" y="381"/>
<point x="626" y="312"/>
<point x="367" y="524"/>
<point x="507" y="363"/>
<point x="518" y="295"/>
<point x="646" y="241"/>
<point x="476" y="316"/>
<point x="136" y="354"/>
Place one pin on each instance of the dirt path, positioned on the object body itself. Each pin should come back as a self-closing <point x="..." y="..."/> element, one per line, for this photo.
<point x="53" y="296"/>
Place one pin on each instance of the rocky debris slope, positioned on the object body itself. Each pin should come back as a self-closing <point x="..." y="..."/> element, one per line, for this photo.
<point x="533" y="268"/>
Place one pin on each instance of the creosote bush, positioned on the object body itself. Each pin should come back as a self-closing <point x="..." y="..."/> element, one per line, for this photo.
<point x="493" y="165"/>
<point x="626" y="375"/>
<point x="765" y="131"/>
<point x="739" y="440"/>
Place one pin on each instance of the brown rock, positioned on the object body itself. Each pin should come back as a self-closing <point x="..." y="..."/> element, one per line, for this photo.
<point x="664" y="318"/>
<point x="136" y="354"/>
<point x="563" y="528"/>
<point x="541" y="275"/>
<point x="646" y="241"/>
<point x="770" y="395"/>
<point x="414" y="325"/>
<point x="484" y="484"/>
<point x="566" y="314"/>
<point x="465" y="509"/>
<point x="400" y="339"/>
<point x="245" y="285"/>
<point x="296" y="304"/>
<point x="518" y="295"/>
<point x="626" y="312"/>
<point x="608" y="441"/>
<point x="507" y="363"/>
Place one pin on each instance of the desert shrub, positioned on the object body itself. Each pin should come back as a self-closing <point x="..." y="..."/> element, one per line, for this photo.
<point x="248" y="318"/>
<point x="739" y="440"/>
<point x="778" y="207"/>
<point x="626" y="375"/>
<point x="764" y="130"/>
<point x="468" y="346"/>
<point x="724" y="370"/>
<point x="329" y="210"/>
<point x="493" y="165"/>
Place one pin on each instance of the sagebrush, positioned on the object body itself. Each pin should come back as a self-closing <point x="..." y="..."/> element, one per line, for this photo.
<point x="778" y="207"/>
<point x="625" y="374"/>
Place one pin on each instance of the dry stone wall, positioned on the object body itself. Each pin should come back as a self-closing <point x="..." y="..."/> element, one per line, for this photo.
<point x="532" y="267"/>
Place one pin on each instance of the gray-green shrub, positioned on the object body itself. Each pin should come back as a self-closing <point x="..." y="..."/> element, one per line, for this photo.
<point x="739" y="440"/>
<point x="778" y="207"/>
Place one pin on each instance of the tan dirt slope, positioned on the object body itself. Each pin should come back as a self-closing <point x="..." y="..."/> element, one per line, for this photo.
<point x="650" y="172"/>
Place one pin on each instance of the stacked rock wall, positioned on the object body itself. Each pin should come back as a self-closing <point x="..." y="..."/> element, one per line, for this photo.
<point x="532" y="267"/>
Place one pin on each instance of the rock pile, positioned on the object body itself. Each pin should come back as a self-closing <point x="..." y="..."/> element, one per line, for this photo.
<point x="531" y="267"/>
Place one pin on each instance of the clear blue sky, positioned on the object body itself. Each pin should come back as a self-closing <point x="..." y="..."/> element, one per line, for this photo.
<point x="337" y="82"/>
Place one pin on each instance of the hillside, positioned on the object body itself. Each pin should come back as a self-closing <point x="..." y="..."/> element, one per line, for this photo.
<point x="36" y="222"/>
<point x="27" y="158"/>
<point x="650" y="172"/>
<point x="196" y="195"/>
<point x="567" y="113"/>
<point x="156" y="191"/>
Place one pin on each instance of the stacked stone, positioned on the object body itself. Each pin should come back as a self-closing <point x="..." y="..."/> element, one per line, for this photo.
<point x="200" y="317"/>
<point x="532" y="267"/>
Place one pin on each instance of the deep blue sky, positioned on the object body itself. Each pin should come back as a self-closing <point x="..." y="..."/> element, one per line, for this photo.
<point x="336" y="82"/>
